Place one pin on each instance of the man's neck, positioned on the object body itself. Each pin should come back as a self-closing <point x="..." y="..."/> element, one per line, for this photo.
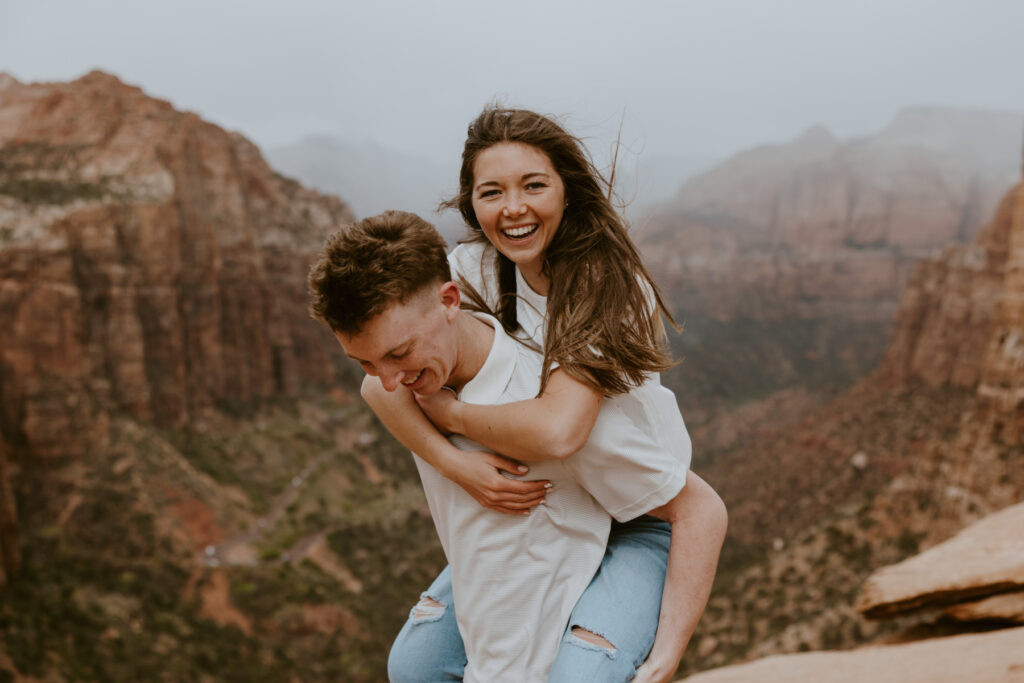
<point x="475" y="338"/>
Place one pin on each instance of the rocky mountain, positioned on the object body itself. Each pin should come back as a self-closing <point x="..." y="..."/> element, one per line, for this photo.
<point x="189" y="487"/>
<point x="929" y="443"/>
<point x="374" y="178"/>
<point x="153" y="264"/>
<point x="786" y="263"/>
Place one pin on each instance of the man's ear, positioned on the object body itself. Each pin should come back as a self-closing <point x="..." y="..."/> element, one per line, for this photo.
<point x="451" y="298"/>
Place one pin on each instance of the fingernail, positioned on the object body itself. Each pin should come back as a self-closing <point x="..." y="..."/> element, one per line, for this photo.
<point x="524" y="468"/>
<point x="548" y="485"/>
<point x="526" y="512"/>
<point x="543" y="500"/>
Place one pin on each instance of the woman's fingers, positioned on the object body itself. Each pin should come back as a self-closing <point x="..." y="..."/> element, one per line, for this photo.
<point x="481" y="476"/>
<point x="502" y="463"/>
<point x="511" y="466"/>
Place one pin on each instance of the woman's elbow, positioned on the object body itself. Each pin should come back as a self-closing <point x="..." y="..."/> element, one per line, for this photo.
<point x="560" y="443"/>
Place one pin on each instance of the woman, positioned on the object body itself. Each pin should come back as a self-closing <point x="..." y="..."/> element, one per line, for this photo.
<point x="552" y="258"/>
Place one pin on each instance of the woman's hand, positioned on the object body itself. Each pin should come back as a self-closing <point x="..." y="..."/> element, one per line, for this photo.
<point x="443" y="409"/>
<point x="650" y="672"/>
<point x="479" y="474"/>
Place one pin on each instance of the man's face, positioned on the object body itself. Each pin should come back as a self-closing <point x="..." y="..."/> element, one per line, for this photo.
<point x="411" y="344"/>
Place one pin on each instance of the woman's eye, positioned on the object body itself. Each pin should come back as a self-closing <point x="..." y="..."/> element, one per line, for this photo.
<point x="536" y="186"/>
<point x="488" y="193"/>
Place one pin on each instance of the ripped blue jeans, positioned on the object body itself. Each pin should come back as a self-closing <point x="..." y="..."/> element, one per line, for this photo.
<point x="621" y="604"/>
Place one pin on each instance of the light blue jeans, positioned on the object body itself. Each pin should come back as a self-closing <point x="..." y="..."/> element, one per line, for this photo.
<point x="621" y="604"/>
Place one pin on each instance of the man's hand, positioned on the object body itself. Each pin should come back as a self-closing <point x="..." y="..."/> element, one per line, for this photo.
<point x="479" y="473"/>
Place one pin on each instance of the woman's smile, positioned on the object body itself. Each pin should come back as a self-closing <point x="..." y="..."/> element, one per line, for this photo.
<point x="520" y="233"/>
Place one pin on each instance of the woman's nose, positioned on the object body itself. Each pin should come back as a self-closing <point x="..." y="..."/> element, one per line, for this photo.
<point x="514" y="207"/>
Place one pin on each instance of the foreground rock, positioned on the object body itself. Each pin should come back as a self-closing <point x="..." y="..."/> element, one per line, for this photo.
<point x="1008" y="607"/>
<point x="983" y="559"/>
<point x="996" y="657"/>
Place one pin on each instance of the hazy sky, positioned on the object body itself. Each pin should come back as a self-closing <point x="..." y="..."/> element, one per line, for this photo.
<point x="698" y="77"/>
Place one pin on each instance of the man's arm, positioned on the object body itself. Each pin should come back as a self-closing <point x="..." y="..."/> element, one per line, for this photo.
<point x="699" y="520"/>
<point x="476" y="472"/>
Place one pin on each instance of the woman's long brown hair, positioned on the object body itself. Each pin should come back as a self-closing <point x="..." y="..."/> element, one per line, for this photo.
<point x="601" y="327"/>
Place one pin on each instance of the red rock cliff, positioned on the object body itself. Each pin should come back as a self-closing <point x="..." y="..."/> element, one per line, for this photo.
<point x="962" y="316"/>
<point x="151" y="264"/>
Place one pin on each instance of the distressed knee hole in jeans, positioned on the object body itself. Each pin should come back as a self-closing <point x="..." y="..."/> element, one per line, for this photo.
<point x="592" y="641"/>
<point x="427" y="609"/>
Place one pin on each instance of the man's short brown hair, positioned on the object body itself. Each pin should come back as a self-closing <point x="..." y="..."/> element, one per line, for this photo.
<point x="369" y="265"/>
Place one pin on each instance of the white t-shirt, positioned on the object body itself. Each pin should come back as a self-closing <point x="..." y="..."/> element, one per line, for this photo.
<point x="516" y="578"/>
<point x="639" y="471"/>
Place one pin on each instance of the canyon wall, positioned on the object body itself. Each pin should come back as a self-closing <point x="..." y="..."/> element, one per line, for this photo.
<point x="151" y="265"/>
<point x="927" y="444"/>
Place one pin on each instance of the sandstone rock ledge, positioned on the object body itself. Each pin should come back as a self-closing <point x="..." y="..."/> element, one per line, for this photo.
<point x="986" y="558"/>
<point x="995" y="657"/>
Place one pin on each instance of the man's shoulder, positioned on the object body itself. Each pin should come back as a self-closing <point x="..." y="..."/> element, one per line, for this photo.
<point x="512" y="370"/>
<point x="525" y="380"/>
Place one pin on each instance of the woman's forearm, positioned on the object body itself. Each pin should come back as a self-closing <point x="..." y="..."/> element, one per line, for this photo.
<point x="552" y="426"/>
<point x="478" y="473"/>
<point x="699" y="521"/>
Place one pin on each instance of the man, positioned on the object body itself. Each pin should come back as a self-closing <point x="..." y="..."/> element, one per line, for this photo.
<point x="384" y="287"/>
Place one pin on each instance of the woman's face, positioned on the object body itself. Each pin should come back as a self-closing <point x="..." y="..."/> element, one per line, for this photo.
<point x="518" y="198"/>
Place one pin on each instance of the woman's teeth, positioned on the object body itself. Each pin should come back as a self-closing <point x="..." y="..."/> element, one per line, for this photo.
<point x="413" y="380"/>
<point x="521" y="231"/>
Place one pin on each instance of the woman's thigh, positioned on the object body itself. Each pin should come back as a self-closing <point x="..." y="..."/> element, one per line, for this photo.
<point x="429" y="647"/>
<point x="621" y="606"/>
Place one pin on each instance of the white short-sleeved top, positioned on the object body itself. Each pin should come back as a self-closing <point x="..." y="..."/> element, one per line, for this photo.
<point x="644" y="466"/>
<point x="515" y="578"/>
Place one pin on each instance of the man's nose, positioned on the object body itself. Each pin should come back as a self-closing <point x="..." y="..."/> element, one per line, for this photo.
<point x="390" y="379"/>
